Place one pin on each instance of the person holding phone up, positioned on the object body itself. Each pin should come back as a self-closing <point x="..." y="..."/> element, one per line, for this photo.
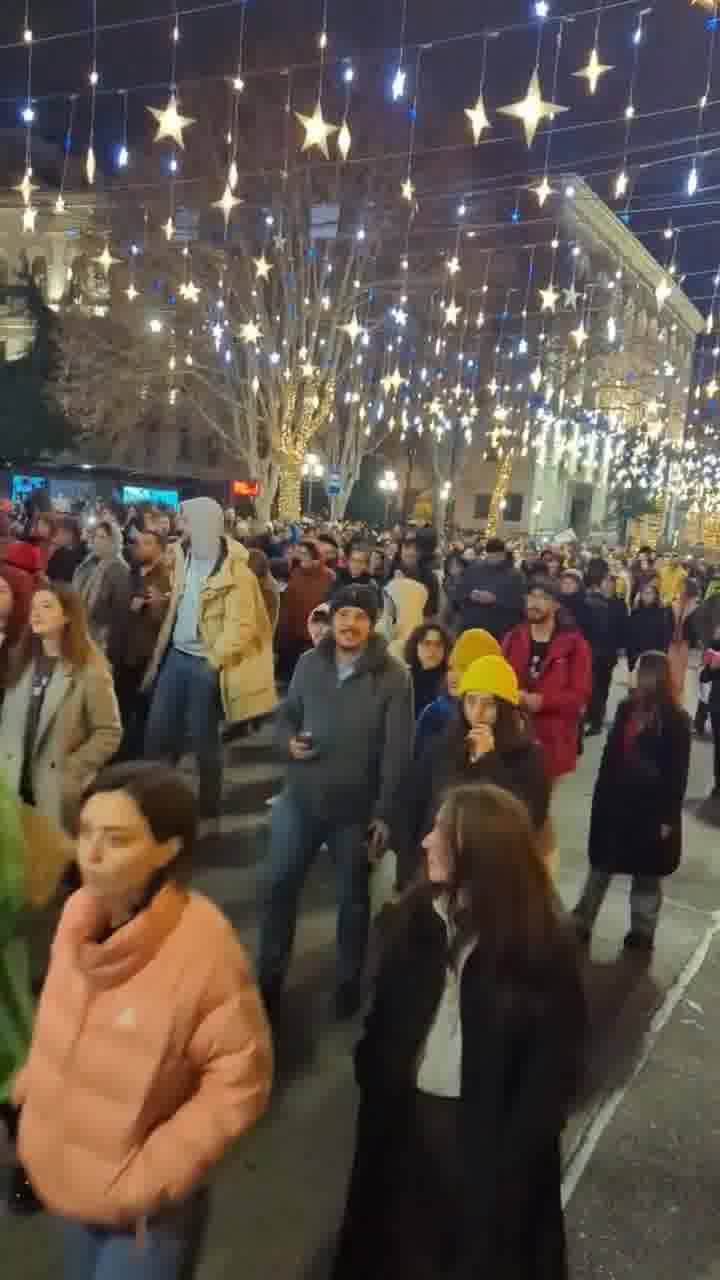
<point x="347" y="729"/>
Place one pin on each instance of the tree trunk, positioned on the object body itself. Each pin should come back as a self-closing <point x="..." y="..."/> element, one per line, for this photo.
<point x="502" y="485"/>
<point x="290" y="487"/>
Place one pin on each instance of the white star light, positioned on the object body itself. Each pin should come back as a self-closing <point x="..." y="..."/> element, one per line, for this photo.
<point x="593" y="71"/>
<point x="536" y="378"/>
<point x="663" y="292"/>
<point x="170" y="123"/>
<point x="549" y="297"/>
<point x="317" y="130"/>
<point x="570" y="297"/>
<point x="453" y="266"/>
<point x="106" y="260"/>
<point x="452" y="311"/>
<point x="579" y="335"/>
<point x="227" y="203"/>
<point x="90" y="166"/>
<point x="59" y="205"/>
<point x="532" y="109"/>
<point x="26" y="187"/>
<point x="353" y="330"/>
<point x="621" y="184"/>
<point x="29" y="217"/>
<point x="262" y="268"/>
<point x="344" y="140"/>
<point x="131" y="292"/>
<point x="408" y="190"/>
<point x="251" y="332"/>
<point x="169" y="229"/>
<point x="190" y="291"/>
<point x="543" y="190"/>
<point x="477" y="116"/>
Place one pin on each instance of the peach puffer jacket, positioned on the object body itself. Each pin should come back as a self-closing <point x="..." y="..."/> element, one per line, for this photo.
<point x="151" y="1053"/>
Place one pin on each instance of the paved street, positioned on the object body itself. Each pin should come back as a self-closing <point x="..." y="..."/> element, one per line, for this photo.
<point x="641" y="1155"/>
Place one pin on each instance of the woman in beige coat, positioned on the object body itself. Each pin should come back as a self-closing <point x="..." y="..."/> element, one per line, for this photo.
<point x="60" y="721"/>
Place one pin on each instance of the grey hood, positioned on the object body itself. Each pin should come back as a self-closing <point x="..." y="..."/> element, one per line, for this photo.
<point x="204" y="523"/>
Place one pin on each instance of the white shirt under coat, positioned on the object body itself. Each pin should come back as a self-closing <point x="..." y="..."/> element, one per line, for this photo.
<point x="440" y="1062"/>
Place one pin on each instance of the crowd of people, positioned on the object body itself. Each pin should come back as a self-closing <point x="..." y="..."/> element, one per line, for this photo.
<point x="428" y="701"/>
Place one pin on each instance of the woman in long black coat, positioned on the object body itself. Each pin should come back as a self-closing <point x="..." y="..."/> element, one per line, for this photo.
<point x="649" y="626"/>
<point x="472" y="1054"/>
<point x="636" y="825"/>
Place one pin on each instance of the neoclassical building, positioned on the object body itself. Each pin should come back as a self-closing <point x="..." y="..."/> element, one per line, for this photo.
<point x="631" y="373"/>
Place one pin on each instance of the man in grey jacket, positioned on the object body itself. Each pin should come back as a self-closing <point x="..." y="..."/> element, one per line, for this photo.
<point x="347" y="727"/>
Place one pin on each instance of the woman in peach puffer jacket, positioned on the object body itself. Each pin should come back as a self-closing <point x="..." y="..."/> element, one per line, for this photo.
<point x="151" y="1051"/>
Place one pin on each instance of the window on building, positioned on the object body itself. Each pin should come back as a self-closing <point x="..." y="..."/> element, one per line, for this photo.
<point x="513" y="508"/>
<point x="184" y="445"/>
<point x="482" y="505"/>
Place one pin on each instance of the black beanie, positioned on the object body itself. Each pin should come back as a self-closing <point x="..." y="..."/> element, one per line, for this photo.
<point x="365" y="598"/>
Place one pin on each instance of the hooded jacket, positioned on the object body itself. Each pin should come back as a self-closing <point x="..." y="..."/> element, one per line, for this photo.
<point x="507" y="585"/>
<point x="235" y="628"/>
<point x="150" y="1054"/>
<point x="362" y="732"/>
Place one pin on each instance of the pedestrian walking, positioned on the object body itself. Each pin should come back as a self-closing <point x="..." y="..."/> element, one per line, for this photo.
<point x="491" y="593"/>
<point x="471" y="1058"/>
<point x="215" y="647"/>
<point x="470" y="646"/>
<point x="685" y="632"/>
<point x="636" y="824"/>
<point x="150" y="1053"/>
<point x="649" y="625"/>
<point x="488" y="739"/>
<point x="427" y="653"/>
<point x="59" y="722"/>
<point x="347" y="729"/>
<point x="310" y="583"/>
<point x="150" y="588"/>
<point x="553" y="664"/>
<point x="103" y="584"/>
<point x="67" y="550"/>
<point x="603" y="639"/>
<point x="710" y="681"/>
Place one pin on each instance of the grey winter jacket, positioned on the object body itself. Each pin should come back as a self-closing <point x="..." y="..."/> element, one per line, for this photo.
<point x="362" y="733"/>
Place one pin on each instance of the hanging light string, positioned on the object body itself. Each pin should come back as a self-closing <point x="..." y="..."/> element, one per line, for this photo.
<point x="400" y="78"/>
<point x="408" y="188"/>
<point x="528" y="292"/>
<point x="323" y="45"/>
<point x="622" y="182"/>
<point x="238" y="86"/>
<point x="694" y="176"/>
<point x="29" y="111"/>
<point x="288" y="127"/>
<point x="710" y="324"/>
<point x="60" y="200"/>
<point x="90" y="162"/>
<point x="543" y="191"/>
<point x="169" y="227"/>
<point x="485" y="288"/>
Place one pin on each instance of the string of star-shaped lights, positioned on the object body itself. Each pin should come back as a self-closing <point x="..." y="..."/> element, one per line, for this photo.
<point x="399" y="81"/>
<point x="318" y="130"/>
<point x="344" y="138"/>
<point x="477" y="115"/>
<point x="262" y="267"/>
<point x="594" y="68"/>
<point x="171" y="123"/>
<point x="712" y="313"/>
<point x="532" y="108"/>
<point x="622" y="180"/>
<point x="354" y="329"/>
<point x="251" y="332"/>
<point x="544" y="189"/>
<point x="693" y="178"/>
<point x="94" y="78"/>
<point x="408" y="186"/>
<point x="189" y="291"/>
<point x="26" y="186"/>
<point x="227" y="203"/>
<point x="666" y="285"/>
<point x="238" y="87"/>
<point x="549" y="295"/>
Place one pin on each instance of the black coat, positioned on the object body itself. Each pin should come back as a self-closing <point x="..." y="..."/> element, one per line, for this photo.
<point x="649" y="627"/>
<point x="637" y="793"/>
<point x="521" y="772"/>
<point x="521" y="1063"/>
<point x="506" y="584"/>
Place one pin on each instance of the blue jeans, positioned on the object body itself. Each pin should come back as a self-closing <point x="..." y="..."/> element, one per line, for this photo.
<point x="169" y="1251"/>
<point x="186" y="702"/>
<point x="295" y="840"/>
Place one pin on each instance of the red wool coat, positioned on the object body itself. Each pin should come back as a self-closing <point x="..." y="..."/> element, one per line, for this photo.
<point x="564" y="684"/>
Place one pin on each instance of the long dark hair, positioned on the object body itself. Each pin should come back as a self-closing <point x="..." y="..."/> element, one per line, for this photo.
<point x="499" y="890"/>
<point x="656" y="690"/>
<point x="511" y="732"/>
<point x="77" y="646"/>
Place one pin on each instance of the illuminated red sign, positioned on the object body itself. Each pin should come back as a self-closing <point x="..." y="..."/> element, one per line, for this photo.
<point x="246" y="488"/>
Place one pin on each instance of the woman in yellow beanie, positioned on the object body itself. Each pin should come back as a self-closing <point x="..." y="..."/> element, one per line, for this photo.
<point x="487" y="740"/>
<point x="471" y="645"/>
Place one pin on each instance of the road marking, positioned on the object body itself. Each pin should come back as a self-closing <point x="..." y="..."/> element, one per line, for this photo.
<point x="586" y="1146"/>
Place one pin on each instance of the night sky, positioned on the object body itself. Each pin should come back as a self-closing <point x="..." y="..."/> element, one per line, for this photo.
<point x="673" y="70"/>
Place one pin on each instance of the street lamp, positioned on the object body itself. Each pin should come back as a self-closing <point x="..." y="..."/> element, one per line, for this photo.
<point x="313" y="470"/>
<point x="389" y="486"/>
